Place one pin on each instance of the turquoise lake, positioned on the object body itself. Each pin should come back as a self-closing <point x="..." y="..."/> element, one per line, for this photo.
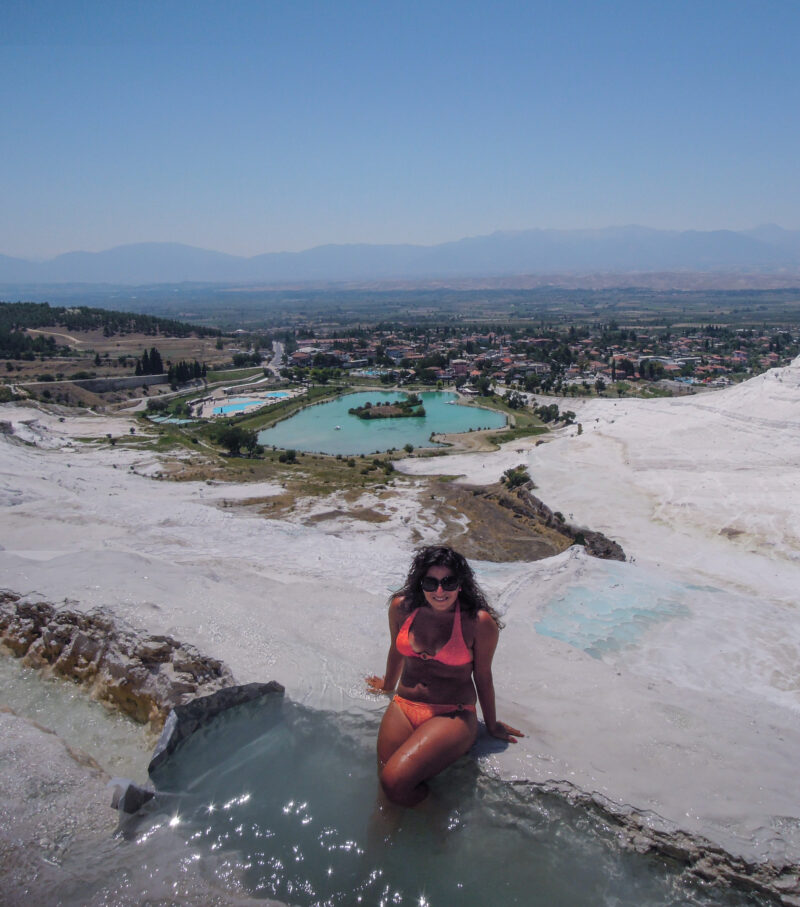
<point x="314" y="429"/>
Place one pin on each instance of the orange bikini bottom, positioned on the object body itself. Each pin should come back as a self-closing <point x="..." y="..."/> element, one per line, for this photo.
<point x="420" y="712"/>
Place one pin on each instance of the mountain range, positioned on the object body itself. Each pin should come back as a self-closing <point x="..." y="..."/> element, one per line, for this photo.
<point x="765" y="249"/>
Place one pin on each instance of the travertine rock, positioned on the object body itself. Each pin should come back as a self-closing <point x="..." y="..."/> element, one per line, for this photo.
<point x="141" y="674"/>
<point x="184" y="720"/>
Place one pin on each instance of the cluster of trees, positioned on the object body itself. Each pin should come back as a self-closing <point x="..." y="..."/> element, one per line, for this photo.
<point x="242" y="360"/>
<point x="151" y="363"/>
<point x="396" y="410"/>
<point x="186" y="371"/>
<point x="233" y="438"/>
<point x="19" y="345"/>
<point x="317" y="375"/>
<point x="652" y="370"/>
<point x="549" y="412"/>
<point x="16" y="316"/>
<point x="625" y="366"/>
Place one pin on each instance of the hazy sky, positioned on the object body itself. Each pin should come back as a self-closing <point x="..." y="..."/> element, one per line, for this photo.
<point x="254" y="127"/>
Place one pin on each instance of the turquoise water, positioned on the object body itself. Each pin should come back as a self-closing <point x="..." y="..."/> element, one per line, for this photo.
<point x="314" y="429"/>
<point x="281" y="801"/>
<point x="237" y="406"/>
<point x="170" y="420"/>
<point x="606" y="617"/>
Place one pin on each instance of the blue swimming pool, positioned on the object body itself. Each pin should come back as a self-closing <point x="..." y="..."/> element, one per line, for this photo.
<point x="241" y="404"/>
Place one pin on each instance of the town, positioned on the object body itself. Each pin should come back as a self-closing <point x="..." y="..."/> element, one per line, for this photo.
<point x="606" y="358"/>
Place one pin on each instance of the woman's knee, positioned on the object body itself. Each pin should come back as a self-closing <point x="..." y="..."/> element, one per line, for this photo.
<point x="398" y="785"/>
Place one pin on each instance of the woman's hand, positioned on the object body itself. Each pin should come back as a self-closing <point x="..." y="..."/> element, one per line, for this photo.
<point x="504" y="731"/>
<point x="375" y="684"/>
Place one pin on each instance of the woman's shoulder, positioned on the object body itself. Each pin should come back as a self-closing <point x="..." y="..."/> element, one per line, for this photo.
<point x="485" y="622"/>
<point x="398" y="603"/>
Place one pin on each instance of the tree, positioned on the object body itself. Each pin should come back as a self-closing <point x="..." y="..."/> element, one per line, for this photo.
<point x="233" y="438"/>
<point x="516" y="476"/>
<point x="484" y="386"/>
<point x="156" y="365"/>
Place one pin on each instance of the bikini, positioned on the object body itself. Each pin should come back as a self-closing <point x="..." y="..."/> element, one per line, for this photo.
<point x="453" y="653"/>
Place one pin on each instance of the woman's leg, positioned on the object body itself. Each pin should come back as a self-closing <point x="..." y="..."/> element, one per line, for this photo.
<point x="394" y="731"/>
<point x="424" y="753"/>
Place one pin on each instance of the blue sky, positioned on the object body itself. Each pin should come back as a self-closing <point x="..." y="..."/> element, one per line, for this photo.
<point x="253" y="127"/>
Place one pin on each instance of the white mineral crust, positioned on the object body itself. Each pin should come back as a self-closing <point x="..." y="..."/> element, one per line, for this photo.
<point x="696" y="722"/>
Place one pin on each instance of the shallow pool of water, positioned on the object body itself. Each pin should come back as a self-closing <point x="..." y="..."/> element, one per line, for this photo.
<point x="281" y="802"/>
<point x="245" y="403"/>
<point x="603" y="618"/>
<point x="117" y="743"/>
<point x="329" y="427"/>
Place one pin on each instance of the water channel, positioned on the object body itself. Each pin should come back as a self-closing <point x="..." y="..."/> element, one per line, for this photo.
<point x="329" y="428"/>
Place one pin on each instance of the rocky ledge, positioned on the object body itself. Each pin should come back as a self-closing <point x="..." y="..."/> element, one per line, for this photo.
<point x="142" y="675"/>
<point x="598" y="545"/>
<point x="645" y="832"/>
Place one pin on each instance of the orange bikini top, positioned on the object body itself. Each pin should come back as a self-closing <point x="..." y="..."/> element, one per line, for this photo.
<point x="454" y="652"/>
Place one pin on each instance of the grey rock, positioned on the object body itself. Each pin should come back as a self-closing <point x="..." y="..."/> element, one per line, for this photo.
<point x="129" y="797"/>
<point x="185" y="719"/>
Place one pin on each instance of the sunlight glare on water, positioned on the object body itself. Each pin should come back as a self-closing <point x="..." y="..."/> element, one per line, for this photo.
<point x="285" y="799"/>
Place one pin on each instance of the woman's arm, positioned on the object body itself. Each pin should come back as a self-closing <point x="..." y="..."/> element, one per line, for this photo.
<point x="486" y="635"/>
<point x="394" y="660"/>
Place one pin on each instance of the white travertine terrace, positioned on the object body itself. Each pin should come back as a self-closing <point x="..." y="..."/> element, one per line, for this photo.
<point x="695" y="726"/>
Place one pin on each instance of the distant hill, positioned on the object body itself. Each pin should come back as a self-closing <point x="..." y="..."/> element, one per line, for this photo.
<point x="764" y="249"/>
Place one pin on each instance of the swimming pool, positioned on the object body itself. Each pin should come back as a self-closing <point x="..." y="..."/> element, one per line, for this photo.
<point x="244" y="403"/>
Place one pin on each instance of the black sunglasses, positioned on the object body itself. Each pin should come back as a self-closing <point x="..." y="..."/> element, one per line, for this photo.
<point x="431" y="584"/>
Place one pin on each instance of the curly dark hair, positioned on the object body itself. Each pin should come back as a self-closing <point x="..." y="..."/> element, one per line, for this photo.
<point x="471" y="597"/>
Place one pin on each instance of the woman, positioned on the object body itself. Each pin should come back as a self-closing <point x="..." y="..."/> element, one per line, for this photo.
<point x="444" y="634"/>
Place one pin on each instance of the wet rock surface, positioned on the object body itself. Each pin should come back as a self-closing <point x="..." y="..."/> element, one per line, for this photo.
<point x="54" y="800"/>
<point x="184" y="720"/>
<point x="143" y="675"/>
<point x="60" y="842"/>
<point x="647" y="833"/>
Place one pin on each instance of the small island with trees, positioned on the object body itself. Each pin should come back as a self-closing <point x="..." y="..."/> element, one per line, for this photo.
<point x="397" y="409"/>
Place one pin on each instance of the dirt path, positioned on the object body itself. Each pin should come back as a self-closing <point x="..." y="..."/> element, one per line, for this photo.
<point x="55" y="334"/>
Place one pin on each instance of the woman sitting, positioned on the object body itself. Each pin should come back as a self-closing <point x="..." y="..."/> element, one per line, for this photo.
<point x="443" y="637"/>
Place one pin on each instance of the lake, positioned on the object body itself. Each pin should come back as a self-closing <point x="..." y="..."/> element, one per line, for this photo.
<point x="329" y="428"/>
